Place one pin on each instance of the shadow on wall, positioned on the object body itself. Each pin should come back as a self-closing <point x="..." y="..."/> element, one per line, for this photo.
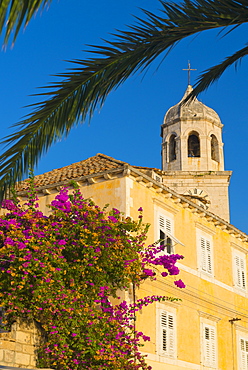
<point x="18" y="346"/>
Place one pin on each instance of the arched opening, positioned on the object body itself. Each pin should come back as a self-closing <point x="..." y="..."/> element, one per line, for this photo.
<point x="193" y="145"/>
<point x="172" y="148"/>
<point x="214" y="148"/>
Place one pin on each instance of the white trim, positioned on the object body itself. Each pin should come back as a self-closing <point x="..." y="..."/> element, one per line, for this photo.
<point x="164" y="207"/>
<point x="240" y="247"/>
<point x="204" y="228"/>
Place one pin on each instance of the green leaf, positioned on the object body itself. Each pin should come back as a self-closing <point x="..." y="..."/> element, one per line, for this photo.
<point x="17" y="13"/>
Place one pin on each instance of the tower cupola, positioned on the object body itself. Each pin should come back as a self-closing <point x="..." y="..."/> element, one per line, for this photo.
<point x="192" y="155"/>
<point x="192" y="137"/>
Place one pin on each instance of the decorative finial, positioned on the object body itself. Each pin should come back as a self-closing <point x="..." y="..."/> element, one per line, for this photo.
<point x="189" y="69"/>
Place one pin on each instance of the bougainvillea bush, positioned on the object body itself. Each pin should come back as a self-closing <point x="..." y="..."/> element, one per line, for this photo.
<point x="61" y="271"/>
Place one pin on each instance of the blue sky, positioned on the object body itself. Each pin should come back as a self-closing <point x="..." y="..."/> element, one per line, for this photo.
<point x="128" y="125"/>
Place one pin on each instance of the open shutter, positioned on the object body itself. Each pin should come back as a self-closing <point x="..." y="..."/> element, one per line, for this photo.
<point x="165" y="228"/>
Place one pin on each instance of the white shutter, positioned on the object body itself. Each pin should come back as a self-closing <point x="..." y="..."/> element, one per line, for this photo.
<point x="243" y="354"/>
<point x="209" y="346"/>
<point x="206" y="346"/>
<point x="240" y="271"/>
<point x="171" y="332"/>
<point x="209" y="257"/>
<point x="168" y="225"/>
<point x="206" y="255"/>
<point x="161" y="222"/>
<point x="243" y="272"/>
<point x="213" y="347"/>
<point x="203" y="255"/>
<point x="167" y="334"/>
<point x="164" y="331"/>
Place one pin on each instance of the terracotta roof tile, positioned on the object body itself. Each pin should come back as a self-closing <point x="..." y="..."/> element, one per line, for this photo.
<point x="93" y="165"/>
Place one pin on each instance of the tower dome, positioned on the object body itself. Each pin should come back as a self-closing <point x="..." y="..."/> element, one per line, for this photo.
<point x="192" y="155"/>
<point x="191" y="110"/>
<point x="192" y="137"/>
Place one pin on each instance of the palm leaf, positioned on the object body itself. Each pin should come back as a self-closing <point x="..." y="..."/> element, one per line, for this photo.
<point x="214" y="73"/>
<point x="87" y="86"/>
<point x="16" y="13"/>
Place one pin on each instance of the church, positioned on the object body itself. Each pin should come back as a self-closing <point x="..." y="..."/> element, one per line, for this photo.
<point x="186" y="203"/>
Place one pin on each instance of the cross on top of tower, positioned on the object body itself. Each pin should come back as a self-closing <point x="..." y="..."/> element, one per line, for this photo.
<point x="189" y="69"/>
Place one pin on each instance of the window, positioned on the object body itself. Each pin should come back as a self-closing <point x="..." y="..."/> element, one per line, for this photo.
<point x="206" y="255"/>
<point x="214" y="148"/>
<point x="172" y="148"/>
<point x="194" y="145"/>
<point x="239" y="271"/>
<point x="209" y="345"/>
<point x="243" y="353"/>
<point x="165" y="231"/>
<point x="167" y="334"/>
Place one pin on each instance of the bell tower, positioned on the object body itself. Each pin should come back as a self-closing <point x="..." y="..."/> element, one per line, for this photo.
<point x="192" y="155"/>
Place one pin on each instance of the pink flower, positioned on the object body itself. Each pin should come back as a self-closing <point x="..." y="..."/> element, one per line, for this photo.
<point x="9" y="205"/>
<point x="149" y="272"/>
<point x="113" y="219"/>
<point x="61" y="242"/>
<point x="73" y="334"/>
<point x="180" y="284"/>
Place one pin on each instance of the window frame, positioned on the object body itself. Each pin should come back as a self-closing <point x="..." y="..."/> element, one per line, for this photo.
<point x="166" y="333"/>
<point x="239" y="270"/>
<point x="165" y="224"/>
<point x="193" y="148"/>
<point x="242" y="355"/>
<point x="205" y="253"/>
<point x="215" y="155"/>
<point x="209" y="346"/>
<point x="172" y="148"/>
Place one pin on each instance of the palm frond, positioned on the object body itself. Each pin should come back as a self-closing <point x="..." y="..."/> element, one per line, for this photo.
<point x="84" y="88"/>
<point x="17" y="13"/>
<point x="211" y="75"/>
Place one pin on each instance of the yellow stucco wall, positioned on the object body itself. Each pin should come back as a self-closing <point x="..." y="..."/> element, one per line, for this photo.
<point x="210" y="299"/>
